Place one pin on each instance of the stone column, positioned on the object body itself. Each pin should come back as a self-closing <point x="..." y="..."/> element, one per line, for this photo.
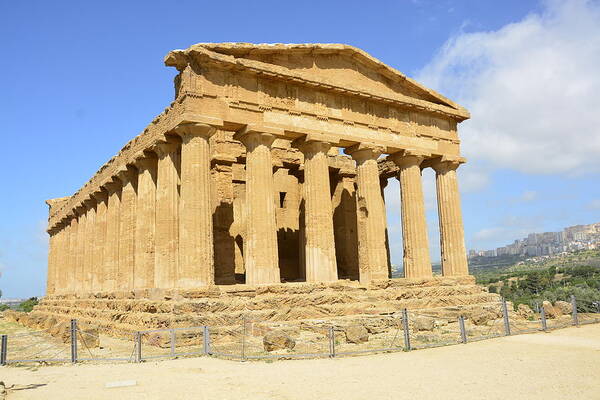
<point x="111" y="245"/>
<point x="452" y="236"/>
<point x="90" y="238"/>
<point x="321" y="265"/>
<point x="125" y="272"/>
<point x="261" y="259"/>
<point x="145" y="220"/>
<point x="371" y="210"/>
<point x="66" y="256"/>
<point x="73" y="247"/>
<point x="196" y="261"/>
<point x="414" y="227"/>
<point x="98" y="272"/>
<point x="52" y="253"/>
<point x="81" y="227"/>
<point x="167" y="221"/>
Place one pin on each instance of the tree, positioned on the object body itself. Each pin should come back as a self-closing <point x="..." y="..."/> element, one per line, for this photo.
<point x="28" y="304"/>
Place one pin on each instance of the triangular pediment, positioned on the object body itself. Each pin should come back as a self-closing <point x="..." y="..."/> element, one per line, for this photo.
<point x="334" y="64"/>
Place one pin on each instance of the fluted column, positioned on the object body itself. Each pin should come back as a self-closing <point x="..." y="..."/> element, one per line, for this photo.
<point x="71" y="273"/>
<point x="52" y="255"/>
<point x="125" y="272"/>
<point x="90" y="237"/>
<point x="62" y="257"/>
<point x="320" y="261"/>
<point x="261" y="259"/>
<point x="452" y="236"/>
<point x="145" y="220"/>
<point x="111" y="247"/>
<point x="371" y="210"/>
<point x="414" y="227"/>
<point x="81" y="227"/>
<point x="98" y="272"/>
<point x="196" y="261"/>
<point x="167" y="218"/>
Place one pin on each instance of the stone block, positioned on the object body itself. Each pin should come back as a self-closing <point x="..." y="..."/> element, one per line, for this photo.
<point x="278" y="340"/>
<point x="356" y="334"/>
<point x="564" y="307"/>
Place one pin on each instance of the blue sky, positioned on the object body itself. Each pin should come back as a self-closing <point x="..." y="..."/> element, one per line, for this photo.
<point x="79" y="79"/>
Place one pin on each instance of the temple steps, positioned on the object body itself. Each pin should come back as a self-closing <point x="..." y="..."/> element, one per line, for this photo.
<point x="125" y="312"/>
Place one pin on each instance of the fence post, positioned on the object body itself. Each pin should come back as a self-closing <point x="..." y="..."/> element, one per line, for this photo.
<point x="405" y="329"/>
<point x="3" y="349"/>
<point x="574" y="312"/>
<point x="463" y="331"/>
<point x="73" y="340"/>
<point x="206" y="338"/>
<point x="505" y="315"/>
<point x="543" y="315"/>
<point x="172" y="332"/>
<point x="138" y="347"/>
<point x="331" y="342"/>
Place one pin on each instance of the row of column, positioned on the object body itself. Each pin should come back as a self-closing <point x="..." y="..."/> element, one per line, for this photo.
<point x="151" y="226"/>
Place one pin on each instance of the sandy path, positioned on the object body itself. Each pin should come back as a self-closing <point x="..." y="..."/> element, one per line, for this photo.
<point x="564" y="364"/>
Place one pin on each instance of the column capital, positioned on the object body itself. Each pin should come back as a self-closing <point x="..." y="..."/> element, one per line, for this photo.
<point x="89" y="203"/>
<point x="194" y="129"/>
<point x="113" y="186"/>
<point x="53" y="230"/>
<point x="447" y="163"/>
<point x="100" y="195"/>
<point x="309" y="145"/>
<point x="144" y="159"/>
<point x="79" y="210"/>
<point x="125" y="174"/>
<point x="408" y="158"/>
<point x="362" y="152"/>
<point x="254" y="138"/>
<point x="163" y="148"/>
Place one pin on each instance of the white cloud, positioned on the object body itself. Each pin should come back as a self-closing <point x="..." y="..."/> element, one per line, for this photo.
<point x="532" y="89"/>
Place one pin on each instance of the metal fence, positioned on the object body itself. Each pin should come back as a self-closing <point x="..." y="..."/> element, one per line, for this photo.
<point x="253" y="339"/>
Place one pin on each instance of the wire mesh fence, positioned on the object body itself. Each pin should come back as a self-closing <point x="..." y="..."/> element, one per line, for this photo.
<point x="175" y="342"/>
<point x="34" y="346"/>
<point x="252" y="339"/>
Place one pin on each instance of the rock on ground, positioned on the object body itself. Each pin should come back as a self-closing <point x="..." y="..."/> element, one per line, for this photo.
<point x="524" y="311"/>
<point x="550" y="310"/>
<point x="278" y="340"/>
<point x="423" y="323"/>
<point x="357" y="334"/>
<point x="482" y="316"/>
<point x="564" y="307"/>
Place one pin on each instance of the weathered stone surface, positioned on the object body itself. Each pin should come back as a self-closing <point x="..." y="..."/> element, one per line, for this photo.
<point x="278" y="340"/>
<point x="563" y="307"/>
<point x="265" y="226"/>
<point x="356" y="334"/>
<point x="550" y="310"/>
<point x="524" y="311"/>
<point x="241" y="182"/>
<point x="483" y="315"/>
<point x="423" y="323"/>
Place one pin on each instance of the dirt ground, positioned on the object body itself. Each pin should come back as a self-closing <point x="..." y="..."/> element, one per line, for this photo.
<point x="563" y="364"/>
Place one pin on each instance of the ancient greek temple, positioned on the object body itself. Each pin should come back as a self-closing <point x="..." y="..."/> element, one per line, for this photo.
<point x="268" y="167"/>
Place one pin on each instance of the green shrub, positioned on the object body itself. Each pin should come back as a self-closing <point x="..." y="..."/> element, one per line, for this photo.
<point x="28" y="304"/>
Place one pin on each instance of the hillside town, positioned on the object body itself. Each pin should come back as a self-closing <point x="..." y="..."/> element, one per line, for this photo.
<point x="572" y="238"/>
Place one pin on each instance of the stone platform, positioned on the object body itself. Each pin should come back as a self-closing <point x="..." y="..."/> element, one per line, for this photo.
<point x="121" y="313"/>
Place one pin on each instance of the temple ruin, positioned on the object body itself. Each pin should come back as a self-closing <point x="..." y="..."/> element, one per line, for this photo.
<point x="266" y="170"/>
